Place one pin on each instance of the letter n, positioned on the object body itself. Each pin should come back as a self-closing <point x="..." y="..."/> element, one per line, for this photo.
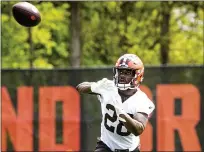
<point x="18" y="124"/>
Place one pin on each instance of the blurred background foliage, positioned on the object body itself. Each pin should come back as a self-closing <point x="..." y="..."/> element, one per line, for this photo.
<point x="74" y="34"/>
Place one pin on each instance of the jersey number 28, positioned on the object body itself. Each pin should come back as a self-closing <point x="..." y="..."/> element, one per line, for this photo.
<point x="113" y="118"/>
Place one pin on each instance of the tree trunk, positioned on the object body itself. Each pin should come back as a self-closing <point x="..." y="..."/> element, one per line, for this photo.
<point x="75" y="34"/>
<point x="126" y="7"/>
<point x="164" y="34"/>
<point x="30" y="42"/>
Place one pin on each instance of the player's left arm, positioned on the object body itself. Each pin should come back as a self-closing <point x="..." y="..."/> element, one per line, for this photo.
<point x="135" y="125"/>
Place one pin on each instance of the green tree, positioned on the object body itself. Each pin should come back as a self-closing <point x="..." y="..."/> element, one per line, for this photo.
<point x="158" y="32"/>
<point x="49" y="38"/>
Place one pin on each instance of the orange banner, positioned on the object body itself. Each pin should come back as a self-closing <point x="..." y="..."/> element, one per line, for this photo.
<point x="17" y="123"/>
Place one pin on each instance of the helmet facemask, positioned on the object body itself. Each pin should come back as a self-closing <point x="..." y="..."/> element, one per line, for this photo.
<point x="125" y="78"/>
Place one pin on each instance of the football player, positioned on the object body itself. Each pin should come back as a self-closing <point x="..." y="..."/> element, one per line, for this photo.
<point x="125" y="108"/>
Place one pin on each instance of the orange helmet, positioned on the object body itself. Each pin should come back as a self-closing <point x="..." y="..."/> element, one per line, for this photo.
<point x="128" y="72"/>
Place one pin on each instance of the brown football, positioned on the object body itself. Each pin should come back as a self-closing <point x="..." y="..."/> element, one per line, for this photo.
<point x="26" y="14"/>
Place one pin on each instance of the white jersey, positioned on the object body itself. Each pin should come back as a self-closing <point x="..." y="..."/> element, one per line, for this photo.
<point x="113" y="132"/>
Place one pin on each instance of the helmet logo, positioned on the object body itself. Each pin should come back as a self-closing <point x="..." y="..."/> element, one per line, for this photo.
<point x="123" y="62"/>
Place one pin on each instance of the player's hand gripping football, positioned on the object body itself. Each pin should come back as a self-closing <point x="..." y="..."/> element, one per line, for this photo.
<point x="119" y="108"/>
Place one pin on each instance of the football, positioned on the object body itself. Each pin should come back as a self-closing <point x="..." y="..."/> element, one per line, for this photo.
<point x="26" y="14"/>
